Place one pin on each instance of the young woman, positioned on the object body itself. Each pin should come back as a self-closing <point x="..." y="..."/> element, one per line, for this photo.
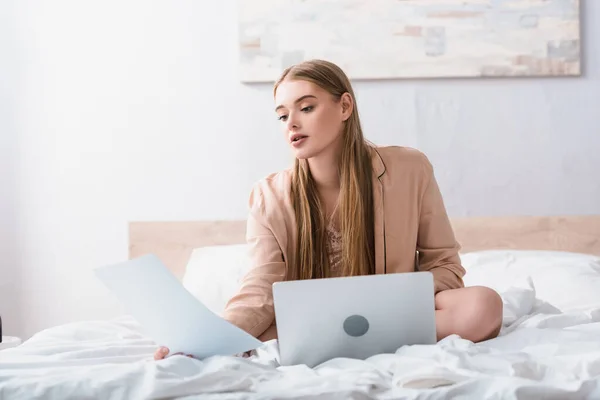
<point x="348" y="208"/>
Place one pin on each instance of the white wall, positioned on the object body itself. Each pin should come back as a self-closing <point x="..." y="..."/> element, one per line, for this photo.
<point x="8" y="272"/>
<point x="132" y="111"/>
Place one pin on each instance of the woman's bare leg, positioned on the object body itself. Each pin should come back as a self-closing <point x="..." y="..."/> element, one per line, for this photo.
<point x="473" y="313"/>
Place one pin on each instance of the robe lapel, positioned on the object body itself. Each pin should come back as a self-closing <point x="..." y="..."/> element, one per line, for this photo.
<point x="379" y="215"/>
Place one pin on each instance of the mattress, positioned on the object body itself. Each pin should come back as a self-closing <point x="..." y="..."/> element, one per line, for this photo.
<point x="548" y="348"/>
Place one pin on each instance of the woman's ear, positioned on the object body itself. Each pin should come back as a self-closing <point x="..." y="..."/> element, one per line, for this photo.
<point x="347" y="106"/>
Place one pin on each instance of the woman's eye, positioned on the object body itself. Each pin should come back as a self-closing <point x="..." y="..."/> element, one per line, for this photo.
<point x="307" y="109"/>
<point x="282" y="117"/>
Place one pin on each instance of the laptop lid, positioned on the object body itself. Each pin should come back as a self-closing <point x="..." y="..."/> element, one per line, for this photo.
<point x="353" y="317"/>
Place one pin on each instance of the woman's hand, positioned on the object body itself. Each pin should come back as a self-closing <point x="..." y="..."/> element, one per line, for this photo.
<point x="162" y="352"/>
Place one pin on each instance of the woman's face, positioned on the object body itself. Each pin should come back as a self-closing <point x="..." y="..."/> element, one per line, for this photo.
<point x="311" y="118"/>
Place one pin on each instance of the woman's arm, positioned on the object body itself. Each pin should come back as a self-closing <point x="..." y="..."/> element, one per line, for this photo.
<point x="251" y="309"/>
<point x="436" y="244"/>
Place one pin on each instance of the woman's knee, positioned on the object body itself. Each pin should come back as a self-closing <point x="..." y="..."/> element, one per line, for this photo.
<point x="486" y="314"/>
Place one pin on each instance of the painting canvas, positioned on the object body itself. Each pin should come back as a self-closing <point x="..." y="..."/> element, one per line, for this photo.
<point x="380" y="39"/>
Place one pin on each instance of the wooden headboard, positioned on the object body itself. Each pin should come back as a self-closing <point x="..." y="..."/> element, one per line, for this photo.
<point x="173" y="242"/>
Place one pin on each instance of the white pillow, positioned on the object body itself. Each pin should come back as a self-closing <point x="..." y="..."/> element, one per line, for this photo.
<point x="213" y="274"/>
<point x="568" y="281"/>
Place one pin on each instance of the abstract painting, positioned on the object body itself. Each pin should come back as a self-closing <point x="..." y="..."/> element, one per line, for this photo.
<point x="383" y="39"/>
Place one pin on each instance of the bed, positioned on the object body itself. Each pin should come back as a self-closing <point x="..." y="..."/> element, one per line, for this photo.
<point x="547" y="270"/>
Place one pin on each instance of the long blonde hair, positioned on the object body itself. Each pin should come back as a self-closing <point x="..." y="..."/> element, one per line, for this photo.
<point x="355" y="205"/>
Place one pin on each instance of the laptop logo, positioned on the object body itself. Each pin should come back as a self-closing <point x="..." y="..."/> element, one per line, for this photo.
<point x="356" y="325"/>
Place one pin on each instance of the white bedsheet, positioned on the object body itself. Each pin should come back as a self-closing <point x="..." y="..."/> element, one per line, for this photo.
<point x="549" y="348"/>
<point x="541" y="353"/>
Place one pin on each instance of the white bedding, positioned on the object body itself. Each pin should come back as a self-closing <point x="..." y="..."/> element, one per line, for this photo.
<point x="547" y="349"/>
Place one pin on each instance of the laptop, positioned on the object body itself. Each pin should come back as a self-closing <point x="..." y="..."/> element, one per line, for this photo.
<point x="353" y="317"/>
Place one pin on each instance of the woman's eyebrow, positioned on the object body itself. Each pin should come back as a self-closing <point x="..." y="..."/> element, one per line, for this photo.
<point x="298" y="100"/>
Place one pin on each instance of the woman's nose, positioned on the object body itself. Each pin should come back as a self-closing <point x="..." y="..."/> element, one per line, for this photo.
<point x="292" y="123"/>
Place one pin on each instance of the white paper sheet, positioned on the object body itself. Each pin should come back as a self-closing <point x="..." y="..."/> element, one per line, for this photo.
<point x="170" y="314"/>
